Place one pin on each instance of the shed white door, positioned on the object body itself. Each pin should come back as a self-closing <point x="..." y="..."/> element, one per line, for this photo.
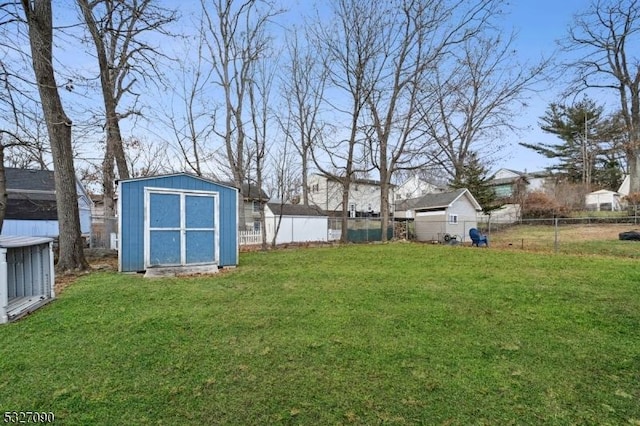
<point x="180" y="227"/>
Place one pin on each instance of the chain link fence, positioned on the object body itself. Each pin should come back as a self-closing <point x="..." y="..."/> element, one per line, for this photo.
<point x="366" y="229"/>
<point x="587" y="235"/>
<point x="104" y="232"/>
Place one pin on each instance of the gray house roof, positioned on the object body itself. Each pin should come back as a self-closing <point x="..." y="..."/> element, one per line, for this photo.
<point x="30" y="180"/>
<point x="294" y="210"/>
<point x="31" y="194"/>
<point x="443" y="200"/>
<point x="250" y="191"/>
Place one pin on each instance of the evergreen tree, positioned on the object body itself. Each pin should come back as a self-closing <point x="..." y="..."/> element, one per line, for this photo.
<point x="475" y="177"/>
<point x="587" y="149"/>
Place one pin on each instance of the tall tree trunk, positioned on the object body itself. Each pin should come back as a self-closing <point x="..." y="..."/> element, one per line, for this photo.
<point x="344" y="234"/>
<point x="114" y="148"/>
<point x="633" y="162"/>
<point x="384" y="203"/>
<point x="3" y="189"/>
<point x="40" y="22"/>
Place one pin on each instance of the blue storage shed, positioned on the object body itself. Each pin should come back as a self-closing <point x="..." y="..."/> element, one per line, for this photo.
<point x="176" y="222"/>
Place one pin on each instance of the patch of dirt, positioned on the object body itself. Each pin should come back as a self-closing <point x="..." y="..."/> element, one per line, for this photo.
<point x="99" y="260"/>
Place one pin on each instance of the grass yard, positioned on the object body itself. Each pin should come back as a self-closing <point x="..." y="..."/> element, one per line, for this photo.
<point x="362" y="334"/>
<point x="579" y="239"/>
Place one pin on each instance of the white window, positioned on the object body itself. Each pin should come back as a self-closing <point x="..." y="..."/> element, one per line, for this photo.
<point x="256" y="206"/>
<point x="256" y="226"/>
<point x="453" y="219"/>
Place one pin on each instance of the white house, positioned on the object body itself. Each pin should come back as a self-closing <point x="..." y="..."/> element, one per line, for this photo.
<point x="603" y="200"/>
<point x="364" y="195"/>
<point x="507" y="182"/>
<point x="415" y="187"/>
<point x="446" y="214"/>
<point x="295" y="223"/>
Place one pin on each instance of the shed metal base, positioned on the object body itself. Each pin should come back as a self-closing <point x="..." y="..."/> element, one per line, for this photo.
<point x="21" y="306"/>
<point x="174" y="271"/>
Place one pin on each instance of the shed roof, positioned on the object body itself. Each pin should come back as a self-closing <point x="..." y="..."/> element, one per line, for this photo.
<point x="167" y="175"/>
<point x="603" y="191"/>
<point x="444" y="200"/>
<point x="17" y="241"/>
<point x="249" y="191"/>
<point x="294" y="210"/>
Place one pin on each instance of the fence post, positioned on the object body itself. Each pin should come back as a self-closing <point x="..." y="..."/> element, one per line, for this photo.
<point x="555" y="243"/>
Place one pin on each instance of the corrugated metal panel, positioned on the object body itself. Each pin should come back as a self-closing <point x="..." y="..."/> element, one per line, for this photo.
<point x="132" y="217"/>
<point x="26" y="275"/>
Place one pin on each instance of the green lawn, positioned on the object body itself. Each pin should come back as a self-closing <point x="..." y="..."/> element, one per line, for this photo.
<point x="359" y="334"/>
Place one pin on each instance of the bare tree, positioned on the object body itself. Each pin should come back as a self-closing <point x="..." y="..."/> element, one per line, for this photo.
<point x="119" y="31"/>
<point x="473" y="99"/>
<point x="284" y="179"/>
<point x="39" y="19"/>
<point x="190" y="108"/>
<point x="349" y="49"/>
<point x="16" y="115"/>
<point x="303" y="89"/>
<point x="413" y="38"/>
<point x="605" y="39"/>
<point x="261" y="117"/>
<point x="236" y="40"/>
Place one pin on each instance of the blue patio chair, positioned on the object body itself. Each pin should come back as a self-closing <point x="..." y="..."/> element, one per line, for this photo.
<point x="477" y="239"/>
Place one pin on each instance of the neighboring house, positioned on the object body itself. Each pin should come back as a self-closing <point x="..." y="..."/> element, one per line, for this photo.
<point x="31" y="204"/>
<point x="624" y="186"/>
<point x="254" y="199"/>
<point x="364" y="196"/>
<point x="507" y="183"/>
<point x="452" y="213"/>
<point x="295" y="223"/>
<point x="415" y="187"/>
<point x="603" y="200"/>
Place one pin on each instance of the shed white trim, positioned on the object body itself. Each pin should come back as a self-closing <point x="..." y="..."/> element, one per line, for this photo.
<point x="148" y="191"/>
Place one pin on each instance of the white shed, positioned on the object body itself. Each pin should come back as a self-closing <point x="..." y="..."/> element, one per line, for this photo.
<point x="603" y="200"/>
<point x="295" y="223"/>
<point x="26" y="275"/>
<point x="439" y="216"/>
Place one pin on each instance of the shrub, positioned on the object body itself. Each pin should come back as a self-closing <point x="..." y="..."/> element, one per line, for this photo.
<point x="538" y="205"/>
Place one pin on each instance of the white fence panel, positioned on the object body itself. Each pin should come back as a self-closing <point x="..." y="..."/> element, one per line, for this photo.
<point x="250" y="237"/>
